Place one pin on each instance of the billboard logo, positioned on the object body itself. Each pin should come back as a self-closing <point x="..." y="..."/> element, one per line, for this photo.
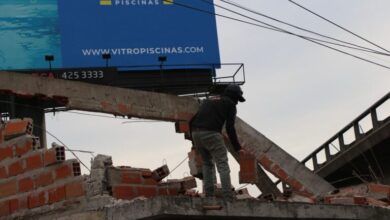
<point x="105" y="2"/>
<point x="167" y="2"/>
<point x="135" y="2"/>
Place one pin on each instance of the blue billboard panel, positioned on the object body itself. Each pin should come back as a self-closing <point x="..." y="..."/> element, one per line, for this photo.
<point x="79" y="32"/>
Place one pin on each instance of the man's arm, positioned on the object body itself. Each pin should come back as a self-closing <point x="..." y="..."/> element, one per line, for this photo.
<point x="230" y="129"/>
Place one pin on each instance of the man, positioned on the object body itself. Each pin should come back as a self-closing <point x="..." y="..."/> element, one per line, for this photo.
<point x="206" y="128"/>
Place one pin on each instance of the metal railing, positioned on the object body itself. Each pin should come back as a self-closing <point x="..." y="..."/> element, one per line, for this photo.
<point x="325" y="148"/>
<point x="339" y="136"/>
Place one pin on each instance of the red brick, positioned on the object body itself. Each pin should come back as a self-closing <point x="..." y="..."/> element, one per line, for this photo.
<point x="378" y="188"/>
<point x="123" y="192"/>
<point x="267" y="163"/>
<point x="149" y="181"/>
<point x="49" y="157"/>
<point x="17" y="127"/>
<point x="146" y="174"/>
<point x="8" y="188"/>
<point x="3" y="173"/>
<point x="282" y="174"/>
<point x="167" y="191"/>
<point x="63" y="172"/>
<point x="26" y="184"/>
<point x="4" y="208"/>
<point x="57" y="194"/>
<point x="132" y="177"/>
<point x="54" y="155"/>
<point x="34" y="162"/>
<point x="248" y="169"/>
<point x="182" y="127"/>
<point x="18" y="204"/>
<point x="74" y="190"/>
<point x="13" y="205"/>
<point x="15" y="168"/>
<point x="44" y="179"/>
<point x="6" y="152"/>
<point x="36" y="200"/>
<point x="147" y="191"/>
<point x="24" y="148"/>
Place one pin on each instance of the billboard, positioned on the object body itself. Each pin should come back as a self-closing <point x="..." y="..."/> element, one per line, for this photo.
<point x="79" y="32"/>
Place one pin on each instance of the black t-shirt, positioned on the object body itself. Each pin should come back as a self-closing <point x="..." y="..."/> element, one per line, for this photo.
<point x="213" y="113"/>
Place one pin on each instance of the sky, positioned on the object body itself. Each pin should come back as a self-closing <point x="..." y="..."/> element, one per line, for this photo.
<point x="299" y="94"/>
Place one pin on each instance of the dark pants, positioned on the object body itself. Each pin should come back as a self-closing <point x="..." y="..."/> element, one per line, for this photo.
<point x="212" y="148"/>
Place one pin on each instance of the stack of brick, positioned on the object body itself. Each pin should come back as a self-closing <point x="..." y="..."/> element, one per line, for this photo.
<point x="364" y="194"/>
<point x="31" y="176"/>
<point x="129" y="183"/>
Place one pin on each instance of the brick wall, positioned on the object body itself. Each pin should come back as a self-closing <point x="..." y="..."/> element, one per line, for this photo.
<point x="32" y="176"/>
<point x="129" y="183"/>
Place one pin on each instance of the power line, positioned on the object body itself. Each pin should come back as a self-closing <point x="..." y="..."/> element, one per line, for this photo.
<point x="303" y="29"/>
<point x="339" y="26"/>
<point x="283" y="31"/>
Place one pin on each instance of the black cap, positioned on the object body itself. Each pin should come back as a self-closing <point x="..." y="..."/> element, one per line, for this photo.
<point x="236" y="91"/>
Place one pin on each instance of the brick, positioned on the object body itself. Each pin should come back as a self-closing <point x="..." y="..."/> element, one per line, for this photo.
<point x="4" y="208"/>
<point x="167" y="191"/>
<point x="146" y="173"/>
<point x="3" y="173"/>
<point x="266" y="162"/>
<point x="378" y="188"/>
<point x="15" y="168"/>
<point x="54" y="155"/>
<point x="248" y="168"/>
<point x="169" y="188"/>
<point x="182" y="127"/>
<point x="76" y="169"/>
<point x="123" y="192"/>
<point x="17" y="127"/>
<point x="17" y="204"/>
<point x="13" y="205"/>
<point x="26" y="184"/>
<point x="147" y="191"/>
<point x="131" y="177"/>
<point x="34" y="162"/>
<point x="63" y="172"/>
<point x="149" y="181"/>
<point x="44" y="179"/>
<point x="57" y="194"/>
<point x="160" y="173"/>
<point x="74" y="190"/>
<point x="8" y="188"/>
<point x="132" y="191"/>
<point x="188" y="183"/>
<point x="6" y="152"/>
<point x="36" y="199"/>
<point x="27" y="146"/>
